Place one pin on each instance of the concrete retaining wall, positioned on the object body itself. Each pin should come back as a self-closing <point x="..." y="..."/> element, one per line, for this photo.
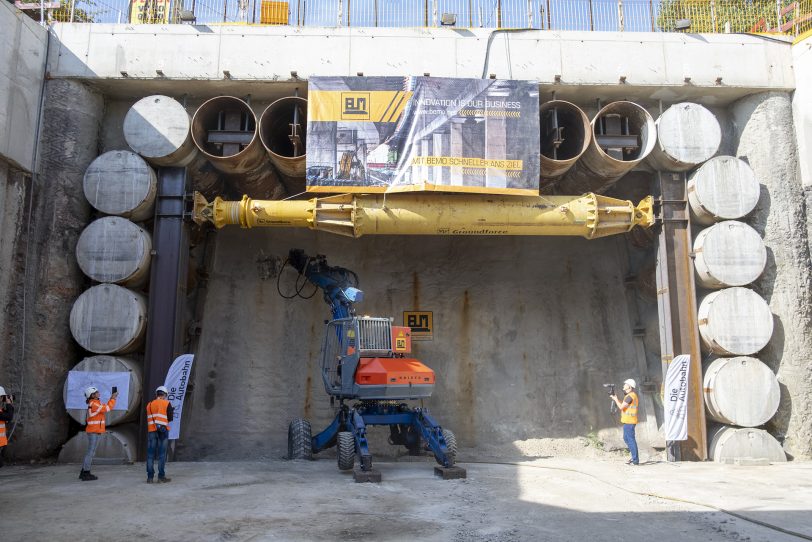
<point x="22" y="66"/>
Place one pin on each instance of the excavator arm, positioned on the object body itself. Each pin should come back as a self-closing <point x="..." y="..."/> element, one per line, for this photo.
<point x="338" y="284"/>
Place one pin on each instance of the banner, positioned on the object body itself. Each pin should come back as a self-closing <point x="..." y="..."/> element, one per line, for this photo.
<point x="79" y="381"/>
<point x="149" y="11"/>
<point x="177" y="379"/>
<point x="675" y="400"/>
<point x="383" y="134"/>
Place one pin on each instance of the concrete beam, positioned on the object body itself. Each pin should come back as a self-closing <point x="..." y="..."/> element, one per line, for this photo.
<point x="711" y="68"/>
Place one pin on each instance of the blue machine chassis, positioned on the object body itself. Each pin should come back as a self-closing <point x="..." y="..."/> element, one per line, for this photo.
<point x="357" y="418"/>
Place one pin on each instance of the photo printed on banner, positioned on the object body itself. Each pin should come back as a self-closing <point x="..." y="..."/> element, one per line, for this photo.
<point x="378" y="134"/>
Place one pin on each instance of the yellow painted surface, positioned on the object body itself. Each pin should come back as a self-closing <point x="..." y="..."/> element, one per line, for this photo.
<point x="589" y="215"/>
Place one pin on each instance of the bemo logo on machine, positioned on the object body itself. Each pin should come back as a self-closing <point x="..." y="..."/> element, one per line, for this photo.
<point x="355" y="105"/>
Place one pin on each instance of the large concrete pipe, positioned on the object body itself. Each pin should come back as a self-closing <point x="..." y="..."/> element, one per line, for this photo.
<point x="590" y="216"/>
<point x="735" y="445"/>
<point x="108" y="319"/>
<point x="734" y="322"/>
<point x="282" y="130"/>
<point x="110" y="364"/>
<point x="225" y="131"/>
<point x="623" y="134"/>
<point x="723" y="188"/>
<point x="118" y="446"/>
<point x="687" y="135"/>
<point x="740" y="391"/>
<point x="729" y="253"/>
<point x="158" y="128"/>
<point x="121" y="183"/>
<point x="113" y="249"/>
<point x="565" y="136"/>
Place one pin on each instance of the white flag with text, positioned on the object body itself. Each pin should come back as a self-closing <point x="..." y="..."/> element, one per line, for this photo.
<point x="177" y="381"/>
<point x="675" y="398"/>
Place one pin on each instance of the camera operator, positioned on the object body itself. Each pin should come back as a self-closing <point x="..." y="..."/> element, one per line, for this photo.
<point x="628" y="417"/>
<point x="6" y="415"/>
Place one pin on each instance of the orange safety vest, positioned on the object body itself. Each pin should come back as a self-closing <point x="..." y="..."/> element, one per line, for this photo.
<point x="156" y="414"/>
<point x="95" y="414"/>
<point x="629" y="410"/>
<point x="3" y="437"/>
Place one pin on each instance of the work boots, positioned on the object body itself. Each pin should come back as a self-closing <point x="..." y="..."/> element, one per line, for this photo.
<point x="85" y="476"/>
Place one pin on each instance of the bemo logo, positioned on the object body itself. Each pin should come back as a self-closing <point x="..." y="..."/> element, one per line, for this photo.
<point x="355" y="105"/>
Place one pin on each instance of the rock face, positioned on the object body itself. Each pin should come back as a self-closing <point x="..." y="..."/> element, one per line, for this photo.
<point x="766" y="141"/>
<point x="44" y="292"/>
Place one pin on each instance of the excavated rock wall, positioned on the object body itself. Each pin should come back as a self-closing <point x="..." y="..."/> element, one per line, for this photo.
<point x="766" y="140"/>
<point x="44" y="279"/>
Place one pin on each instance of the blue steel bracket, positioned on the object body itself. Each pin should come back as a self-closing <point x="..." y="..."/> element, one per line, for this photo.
<point x="359" y="431"/>
<point x="327" y="438"/>
<point x="432" y="434"/>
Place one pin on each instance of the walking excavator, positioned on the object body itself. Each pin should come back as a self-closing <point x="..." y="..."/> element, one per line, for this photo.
<point x="365" y="359"/>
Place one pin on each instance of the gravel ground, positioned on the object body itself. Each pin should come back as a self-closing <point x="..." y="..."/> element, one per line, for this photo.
<point x="543" y="499"/>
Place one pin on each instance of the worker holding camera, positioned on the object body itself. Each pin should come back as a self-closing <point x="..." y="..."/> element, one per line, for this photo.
<point x="96" y="412"/>
<point x="159" y="413"/>
<point x="628" y="417"/>
<point x="6" y="415"/>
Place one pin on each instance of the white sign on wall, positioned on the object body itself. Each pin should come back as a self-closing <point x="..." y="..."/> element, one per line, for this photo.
<point x="79" y="381"/>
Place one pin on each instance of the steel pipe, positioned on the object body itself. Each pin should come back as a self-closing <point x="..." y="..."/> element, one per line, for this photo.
<point x="590" y="216"/>
<point x="565" y="136"/>
<point x="224" y="129"/>
<point x="282" y="131"/>
<point x="158" y="128"/>
<point x="623" y="134"/>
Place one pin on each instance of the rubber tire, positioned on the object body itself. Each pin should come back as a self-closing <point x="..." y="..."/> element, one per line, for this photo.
<point x="451" y="445"/>
<point x="300" y="445"/>
<point x="346" y="450"/>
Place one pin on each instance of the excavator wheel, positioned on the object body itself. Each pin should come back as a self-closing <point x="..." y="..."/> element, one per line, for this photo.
<point x="346" y="450"/>
<point x="451" y="446"/>
<point x="300" y="445"/>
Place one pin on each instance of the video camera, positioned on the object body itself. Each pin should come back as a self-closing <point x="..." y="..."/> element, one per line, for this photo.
<point x="611" y="391"/>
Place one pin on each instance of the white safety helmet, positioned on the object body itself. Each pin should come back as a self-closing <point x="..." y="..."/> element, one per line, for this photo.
<point x="162" y="389"/>
<point x="90" y="391"/>
<point x="2" y="391"/>
<point x="630" y="382"/>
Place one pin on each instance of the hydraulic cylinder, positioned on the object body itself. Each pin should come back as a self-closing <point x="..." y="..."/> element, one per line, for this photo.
<point x="589" y="215"/>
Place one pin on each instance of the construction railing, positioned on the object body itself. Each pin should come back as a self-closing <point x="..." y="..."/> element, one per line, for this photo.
<point x="695" y="16"/>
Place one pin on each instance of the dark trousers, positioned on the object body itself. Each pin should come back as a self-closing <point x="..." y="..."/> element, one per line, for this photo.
<point x="631" y="442"/>
<point x="156" y="446"/>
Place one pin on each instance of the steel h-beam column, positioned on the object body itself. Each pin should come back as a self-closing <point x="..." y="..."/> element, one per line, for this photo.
<point x="676" y="303"/>
<point x="167" y="286"/>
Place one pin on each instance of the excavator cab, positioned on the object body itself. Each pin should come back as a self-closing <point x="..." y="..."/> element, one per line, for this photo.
<point x="364" y="358"/>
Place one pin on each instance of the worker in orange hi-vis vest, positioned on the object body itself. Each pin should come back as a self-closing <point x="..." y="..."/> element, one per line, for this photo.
<point x="159" y="414"/>
<point x="628" y="417"/>
<point x="6" y="415"/>
<point x="96" y="412"/>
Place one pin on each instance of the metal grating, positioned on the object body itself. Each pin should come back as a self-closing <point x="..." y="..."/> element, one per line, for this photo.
<point x="375" y="336"/>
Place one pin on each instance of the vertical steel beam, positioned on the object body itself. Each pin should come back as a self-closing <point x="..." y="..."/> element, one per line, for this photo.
<point x="676" y="301"/>
<point x="167" y="286"/>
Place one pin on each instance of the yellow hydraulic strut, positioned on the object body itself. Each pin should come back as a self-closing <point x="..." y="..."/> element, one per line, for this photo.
<point x="354" y="215"/>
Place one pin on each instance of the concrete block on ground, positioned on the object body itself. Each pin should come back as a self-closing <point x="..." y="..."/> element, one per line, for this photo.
<point x="450" y="473"/>
<point x="371" y="475"/>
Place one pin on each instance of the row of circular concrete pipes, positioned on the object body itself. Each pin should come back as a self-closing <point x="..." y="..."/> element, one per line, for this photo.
<point x="159" y="129"/>
<point x="741" y="392"/>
